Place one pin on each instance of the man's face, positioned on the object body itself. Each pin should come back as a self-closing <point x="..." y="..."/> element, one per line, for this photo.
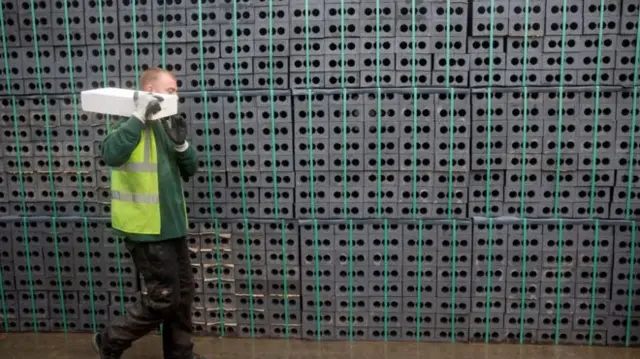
<point x="164" y="84"/>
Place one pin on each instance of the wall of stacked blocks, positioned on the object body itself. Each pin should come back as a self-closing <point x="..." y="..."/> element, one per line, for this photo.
<point x="460" y="170"/>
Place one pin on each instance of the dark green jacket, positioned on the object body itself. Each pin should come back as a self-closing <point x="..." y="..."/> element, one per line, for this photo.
<point x="172" y="166"/>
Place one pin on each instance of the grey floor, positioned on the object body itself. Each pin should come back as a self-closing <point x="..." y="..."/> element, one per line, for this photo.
<point x="45" y="346"/>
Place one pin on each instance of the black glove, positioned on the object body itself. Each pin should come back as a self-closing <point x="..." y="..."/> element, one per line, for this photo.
<point x="176" y="128"/>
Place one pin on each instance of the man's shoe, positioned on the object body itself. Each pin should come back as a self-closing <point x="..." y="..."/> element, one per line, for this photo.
<point x="97" y="342"/>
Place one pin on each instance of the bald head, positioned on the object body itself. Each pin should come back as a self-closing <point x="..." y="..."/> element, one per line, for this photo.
<point x="158" y="80"/>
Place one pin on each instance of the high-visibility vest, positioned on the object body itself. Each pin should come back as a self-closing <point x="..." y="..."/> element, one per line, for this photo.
<point x="135" y="200"/>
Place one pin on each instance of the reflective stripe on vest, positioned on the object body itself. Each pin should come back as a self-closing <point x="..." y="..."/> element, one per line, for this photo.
<point x="135" y="196"/>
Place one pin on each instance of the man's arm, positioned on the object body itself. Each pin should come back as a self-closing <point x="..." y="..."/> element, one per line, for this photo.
<point x="120" y="143"/>
<point x="187" y="162"/>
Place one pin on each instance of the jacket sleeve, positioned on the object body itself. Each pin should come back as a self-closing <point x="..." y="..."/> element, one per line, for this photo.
<point x="187" y="162"/>
<point x="120" y="143"/>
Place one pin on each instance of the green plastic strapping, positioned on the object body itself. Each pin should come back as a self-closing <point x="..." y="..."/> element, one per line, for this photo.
<point x="454" y="290"/>
<point x="414" y="110"/>
<point x="275" y="174"/>
<point x="21" y="173"/>
<point x="634" y="124"/>
<point x="3" y="303"/>
<point x="627" y="336"/>
<point x="17" y="143"/>
<point x="312" y="186"/>
<point x="386" y="278"/>
<point x="594" y="277"/>
<point x="103" y="62"/>
<point x="452" y="130"/>
<point x="76" y="128"/>
<point x="345" y="188"/>
<point x="556" y="335"/>
<point x="134" y="21"/>
<point x="596" y="113"/>
<point x="596" y="118"/>
<point x="205" y="100"/>
<point x="351" y="324"/>
<point x="556" y="192"/>
<point x="378" y="119"/>
<point x="488" y="179"/>
<point x="54" y="224"/>
<point x="163" y="37"/>
<point x="419" y="282"/>
<point x="525" y="113"/>
<point x="524" y="274"/>
<point x="247" y="241"/>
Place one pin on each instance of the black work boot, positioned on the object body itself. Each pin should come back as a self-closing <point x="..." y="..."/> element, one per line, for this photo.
<point x="98" y="346"/>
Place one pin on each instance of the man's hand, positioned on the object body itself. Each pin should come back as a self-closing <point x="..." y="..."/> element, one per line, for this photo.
<point x="176" y="128"/>
<point x="147" y="105"/>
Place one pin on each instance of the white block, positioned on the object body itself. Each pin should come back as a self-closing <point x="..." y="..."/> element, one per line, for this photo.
<point x="119" y="102"/>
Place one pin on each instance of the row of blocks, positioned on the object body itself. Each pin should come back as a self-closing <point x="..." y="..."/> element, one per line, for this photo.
<point x="389" y="29"/>
<point x="508" y="51"/>
<point x="615" y="104"/>
<point x="387" y="79"/>
<point x="326" y="210"/>
<point x="319" y="11"/>
<point x="256" y="149"/>
<point x="576" y="64"/>
<point x="364" y="14"/>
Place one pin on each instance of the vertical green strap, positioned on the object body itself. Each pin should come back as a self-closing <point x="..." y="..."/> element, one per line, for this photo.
<point x="592" y="197"/>
<point x="378" y="117"/>
<point x="414" y="110"/>
<point x="489" y="269"/>
<point x="276" y="199"/>
<point x="205" y="101"/>
<point x="558" y="278"/>
<point x="594" y="277"/>
<point x="454" y="290"/>
<point x="414" y="175"/>
<point x="163" y="56"/>
<point x="556" y="192"/>
<point x="596" y="112"/>
<point x="488" y="179"/>
<point x="134" y="16"/>
<point x="76" y="128"/>
<point x="242" y="179"/>
<point x="634" y="124"/>
<point x="632" y="263"/>
<point x="351" y="323"/>
<point x="312" y="186"/>
<point x="103" y="59"/>
<point x="345" y="187"/>
<point x="379" y="211"/>
<point x="525" y="113"/>
<point x="386" y="278"/>
<point x="5" y="320"/>
<point x="163" y="38"/>
<point x="452" y="130"/>
<point x="103" y="62"/>
<point x="524" y="275"/>
<point x="419" y="282"/>
<point x="5" y="54"/>
<point x="18" y="152"/>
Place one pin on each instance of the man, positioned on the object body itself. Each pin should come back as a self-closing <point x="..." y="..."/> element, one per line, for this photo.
<point x="149" y="157"/>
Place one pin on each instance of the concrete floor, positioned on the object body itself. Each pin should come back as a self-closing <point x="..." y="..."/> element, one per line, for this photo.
<point x="49" y="346"/>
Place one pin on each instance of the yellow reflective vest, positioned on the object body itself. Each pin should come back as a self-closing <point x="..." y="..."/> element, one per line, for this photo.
<point x="135" y="200"/>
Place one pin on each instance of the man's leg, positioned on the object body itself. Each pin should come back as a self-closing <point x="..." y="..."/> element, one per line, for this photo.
<point x="157" y="263"/>
<point x="177" y="329"/>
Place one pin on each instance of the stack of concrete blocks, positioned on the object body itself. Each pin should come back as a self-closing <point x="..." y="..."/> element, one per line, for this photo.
<point x="370" y="176"/>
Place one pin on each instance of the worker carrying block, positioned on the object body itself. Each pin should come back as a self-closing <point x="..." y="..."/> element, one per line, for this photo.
<point x="149" y="154"/>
